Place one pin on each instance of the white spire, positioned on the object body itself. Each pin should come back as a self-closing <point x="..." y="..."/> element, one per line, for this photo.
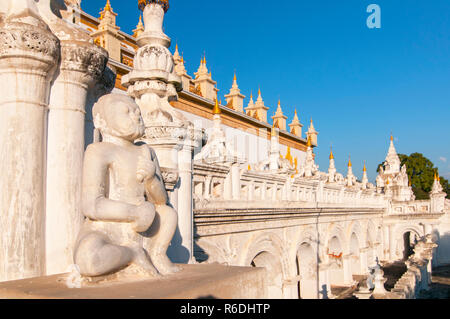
<point x="332" y="168"/>
<point x="392" y="164"/>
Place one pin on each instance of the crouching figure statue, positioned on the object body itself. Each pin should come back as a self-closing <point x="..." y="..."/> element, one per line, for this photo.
<point x="124" y="199"/>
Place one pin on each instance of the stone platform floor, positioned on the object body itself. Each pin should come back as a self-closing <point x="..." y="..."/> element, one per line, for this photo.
<point x="193" y="282"/>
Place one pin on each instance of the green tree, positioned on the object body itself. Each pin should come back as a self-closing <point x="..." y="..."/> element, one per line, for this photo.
<point x="421" y="172"/>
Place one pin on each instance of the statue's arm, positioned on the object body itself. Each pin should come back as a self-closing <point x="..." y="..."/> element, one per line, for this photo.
<point x="155" y="188"/>
<point x="95" y="204"/>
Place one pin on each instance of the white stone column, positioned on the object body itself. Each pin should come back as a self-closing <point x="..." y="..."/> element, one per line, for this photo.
<point x="251" y="191"/>
<point x="324" y="282"/>
<point x="428" y="229"/>
<point x="392" y="243"/>
<point x="347" y="269"/>
<point x="228" y="187"/>
<point x="386" y="242"/>
<point x="185" y="203"/>
<point x="207" y="194"/>
<point x="363" y="260"/>
<point x="28" y="53"/>
<point x="81" y="64"/>
<point x="236" y="181"/>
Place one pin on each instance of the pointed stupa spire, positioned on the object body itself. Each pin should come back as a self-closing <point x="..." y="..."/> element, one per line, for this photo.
<point x="108" y="6"/>
<point x="332" y="168"/>
<point x="140" y="29"/>
<point x="312" y="133"/>
<point x="349" y="161"/>
<point x="216" y="109"/>
<point x="295" y="119"/>
<point x="279" y="118"/>
<point x="308" y="142"/>
<point x="311" y="129"/>
<point x="392" y="164"/>
<point x="296" y="126"/>
<point x="108" y="11"/>
<point x="235" y="99"/>
<point x="176" y="54"/>
<point x="257" y="110"/>
<point x="365" y="179"/>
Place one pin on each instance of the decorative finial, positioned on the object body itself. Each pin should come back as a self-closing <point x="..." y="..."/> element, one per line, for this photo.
<point x="349" y="161"/>
<point x="143" y="3"/>
<point x="140" y="28"/>
<point x="108" y="6"/>
<point x="308" y="143"/>
<point x="216" y="109"/>
<point x="331" y="153"/>
<point x="273" y="132"/>
<point x="392" y="137"/>
<point x="365" y="168"/>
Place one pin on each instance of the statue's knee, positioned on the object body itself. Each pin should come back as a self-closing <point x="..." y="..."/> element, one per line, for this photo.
<point x="169" y="214"/>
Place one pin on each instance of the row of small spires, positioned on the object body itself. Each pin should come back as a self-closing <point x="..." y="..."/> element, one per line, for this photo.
<point x="277" y="115"/>
<point x="251" y="110"/>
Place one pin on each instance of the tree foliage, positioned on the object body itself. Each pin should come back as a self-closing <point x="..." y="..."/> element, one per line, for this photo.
<point x="421" y="172"/>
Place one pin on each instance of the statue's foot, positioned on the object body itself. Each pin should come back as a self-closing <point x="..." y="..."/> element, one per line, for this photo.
<point x="144" y="263"/>
<point x="163" y="264"/>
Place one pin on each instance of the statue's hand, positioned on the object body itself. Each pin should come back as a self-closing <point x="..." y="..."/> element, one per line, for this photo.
<point x="143" y="217"/>
<point x="145" y="169"/>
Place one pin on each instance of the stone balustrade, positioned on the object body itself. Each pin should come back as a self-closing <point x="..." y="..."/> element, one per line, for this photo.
<point x="213" y="183"/>
<point x="418" y="275"/>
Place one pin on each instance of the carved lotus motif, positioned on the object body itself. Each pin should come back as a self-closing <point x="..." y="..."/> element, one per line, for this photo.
<point x="154" y="57"/>
<point x="20" y="36"/>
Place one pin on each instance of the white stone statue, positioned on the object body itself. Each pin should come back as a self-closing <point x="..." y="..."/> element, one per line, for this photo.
<point x="124" y="198"/>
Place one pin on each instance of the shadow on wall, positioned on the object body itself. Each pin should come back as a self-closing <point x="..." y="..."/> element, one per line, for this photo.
<point x="442" y="253"/>
<point x="176" y="251"/>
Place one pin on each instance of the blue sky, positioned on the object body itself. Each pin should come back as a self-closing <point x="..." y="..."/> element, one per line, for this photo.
<point x="358" y="84"/>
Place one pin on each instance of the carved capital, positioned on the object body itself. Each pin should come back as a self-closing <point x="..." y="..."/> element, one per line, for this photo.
<point x="170" y="177"/>
<point x="83" y="57"/>
<point x="19" y="40"/>
<point x="173" y="133"/>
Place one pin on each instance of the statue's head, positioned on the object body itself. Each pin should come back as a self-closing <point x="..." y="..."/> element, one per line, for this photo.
<point x="118" y="115"/>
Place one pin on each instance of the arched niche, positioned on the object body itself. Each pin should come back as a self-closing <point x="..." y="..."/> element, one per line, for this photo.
<point x="355" y="260"/>
<point x="335" y="253"/>
<point x="274" y="271"/>
<point x="307" y="271"/>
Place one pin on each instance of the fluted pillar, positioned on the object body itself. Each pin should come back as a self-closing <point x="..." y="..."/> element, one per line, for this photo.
<point x="236" y="181"/>
<point x="28" y="54"/>
<point x="182" y="248"/>
<point x="82" y="63"/>
<point x="392" y="244"/>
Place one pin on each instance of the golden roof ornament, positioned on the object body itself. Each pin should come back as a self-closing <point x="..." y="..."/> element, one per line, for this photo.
<point x="139" y="28"/>
<point x="108" y="6"/>
<point x="331" y="153"/>
<point x="365" y="168"/>
<point x="349" y="162"/>
<point x="308" y="143"/>
<point x="289" y="156"/>
<point x="216" y="109"/>
<point x="163" y="3"/>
